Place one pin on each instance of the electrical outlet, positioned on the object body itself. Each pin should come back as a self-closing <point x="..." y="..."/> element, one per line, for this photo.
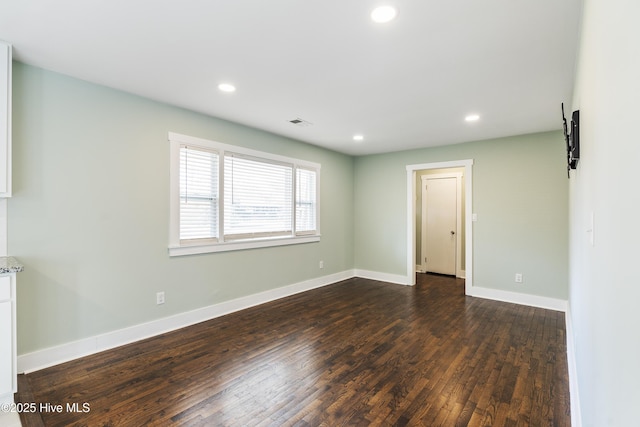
<point x="160" y="298"/>
<point x="518" y="277"/>
<point x="321" y="264"/>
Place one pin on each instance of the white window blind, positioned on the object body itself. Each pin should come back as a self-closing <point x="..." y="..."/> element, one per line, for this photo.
<point x="306" y="208"/>
<point x="198" y="194"/>
<point x="225" y="198"/>
<point x="257" y="197"/>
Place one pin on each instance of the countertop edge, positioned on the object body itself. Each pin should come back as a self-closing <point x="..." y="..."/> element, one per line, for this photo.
<point x="9" y="265"/>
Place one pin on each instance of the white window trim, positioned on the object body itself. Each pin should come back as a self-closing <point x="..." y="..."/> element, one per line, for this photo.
<point x="178" y="249"/>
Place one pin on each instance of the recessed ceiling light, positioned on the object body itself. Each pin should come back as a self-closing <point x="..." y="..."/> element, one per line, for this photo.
<point x="226" y="87"/>
<point x="358" y="137"/>
<point x="472" y="118"/>
<point x="383" y="14"/>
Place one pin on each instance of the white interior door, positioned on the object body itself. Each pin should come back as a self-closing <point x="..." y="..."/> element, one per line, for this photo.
<point x="439" y="196"/>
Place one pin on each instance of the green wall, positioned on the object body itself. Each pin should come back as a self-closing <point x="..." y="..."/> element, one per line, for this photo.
<point x="89" y="216"/>
<point x="520" y="194"/>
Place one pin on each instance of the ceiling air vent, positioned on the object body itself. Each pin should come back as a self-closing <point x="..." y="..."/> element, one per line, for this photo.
<point x="300" y="122"/>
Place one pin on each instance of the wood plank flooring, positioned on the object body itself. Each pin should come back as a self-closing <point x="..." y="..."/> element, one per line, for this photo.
<point x="356" y="353"/>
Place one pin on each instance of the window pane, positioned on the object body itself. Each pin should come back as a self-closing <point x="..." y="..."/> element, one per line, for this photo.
<point x="305" y="201"/>
<point x="257" y="197"/>
<point x="198" y="194"/>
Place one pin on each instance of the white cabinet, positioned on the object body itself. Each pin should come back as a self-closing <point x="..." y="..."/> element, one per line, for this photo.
<point x="8" y="266"/>
<point x="5" y="119"/>
<point x="8" y="363"/>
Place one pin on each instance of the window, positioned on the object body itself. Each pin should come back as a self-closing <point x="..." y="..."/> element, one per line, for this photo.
<point x="257" y="198"/>
<point x="228" y="198"/>
<point x="305" y="201"/>
<point x="198" y="194"/>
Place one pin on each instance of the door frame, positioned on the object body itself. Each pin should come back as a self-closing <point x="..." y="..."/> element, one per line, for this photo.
<point x="411" y="217"/>
<point x="444" y="175"/>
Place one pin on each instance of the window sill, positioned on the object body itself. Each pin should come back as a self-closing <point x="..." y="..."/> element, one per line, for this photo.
<point x="241" y="245"/>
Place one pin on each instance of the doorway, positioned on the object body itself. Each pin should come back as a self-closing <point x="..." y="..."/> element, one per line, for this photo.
<point x="441" y="229"/>
<point x="413" y="196"/>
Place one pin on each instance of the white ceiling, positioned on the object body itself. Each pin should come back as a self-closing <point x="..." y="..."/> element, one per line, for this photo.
<point x="405" y="84"/>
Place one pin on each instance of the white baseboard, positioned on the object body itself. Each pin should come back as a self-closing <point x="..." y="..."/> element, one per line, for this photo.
<point x="51" y="356"/>
<point x="47" y="357"/>
<point x="518" y="298"/>
<point x="383" y="277"/>
<point x="574" y="395"/>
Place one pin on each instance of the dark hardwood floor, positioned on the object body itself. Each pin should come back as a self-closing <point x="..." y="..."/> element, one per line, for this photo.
<point x="358" y="352"/>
